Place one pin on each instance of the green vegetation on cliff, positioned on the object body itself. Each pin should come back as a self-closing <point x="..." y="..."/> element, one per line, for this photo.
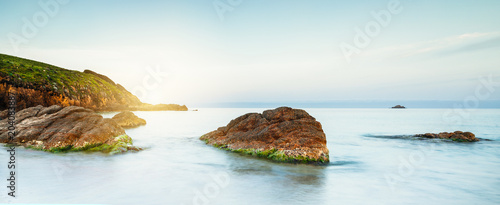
<point x="28" y="72"/>
<point x="36" y="83"/>
<point x="61" y="86"/>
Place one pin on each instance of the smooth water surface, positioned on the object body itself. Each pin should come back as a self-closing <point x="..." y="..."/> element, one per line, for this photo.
<point x="368" y="165"/>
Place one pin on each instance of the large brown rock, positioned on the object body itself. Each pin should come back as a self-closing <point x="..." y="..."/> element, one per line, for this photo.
<point x="283" y="134"/>
<point x="127" y="119"/>
<point x="70" y="128"/>
<point x="455" y="136"/>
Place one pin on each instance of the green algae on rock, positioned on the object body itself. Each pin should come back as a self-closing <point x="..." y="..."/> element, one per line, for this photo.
<point x="122" y="143"/>
<point x="283" y="134"/>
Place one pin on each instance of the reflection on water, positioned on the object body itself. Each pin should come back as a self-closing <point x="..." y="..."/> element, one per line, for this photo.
<point x="295" y="173"/>
<point x="178" y="168"/>
<point x="340" y="163"/>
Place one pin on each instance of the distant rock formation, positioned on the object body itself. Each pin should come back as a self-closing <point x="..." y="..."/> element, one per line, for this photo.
<point x="159" y="107"/>
<point x="455" y="136"/>
<point x="399" y="106"/>
<point x="127" y="119"/>
<point x="37" y="83"/>
<point x="58" y="129"/>
<point x="283" y="134"/>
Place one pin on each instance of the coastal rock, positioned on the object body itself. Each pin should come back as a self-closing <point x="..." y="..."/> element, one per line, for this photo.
<point x="127" y="119"/>
<point x="59" y="129"/>
<point x="455" y="136"/>
<point x="283" y="134"/>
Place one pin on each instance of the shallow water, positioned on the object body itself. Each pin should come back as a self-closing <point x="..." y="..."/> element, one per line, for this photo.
<point x="369" y="165"/>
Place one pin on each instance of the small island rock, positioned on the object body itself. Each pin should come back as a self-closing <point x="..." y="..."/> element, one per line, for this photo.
<point x="399" y="106"/>
<point x="127" y="119"/>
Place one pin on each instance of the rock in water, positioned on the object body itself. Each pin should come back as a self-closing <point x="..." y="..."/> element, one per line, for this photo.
<point x="72" y="128"/>
<point x="283" y="134"/>
<point x="127" y="119"/>
<point x="455" y="136"/>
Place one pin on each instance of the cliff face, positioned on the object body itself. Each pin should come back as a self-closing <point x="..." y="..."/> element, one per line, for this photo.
<point x="37" y="83"/>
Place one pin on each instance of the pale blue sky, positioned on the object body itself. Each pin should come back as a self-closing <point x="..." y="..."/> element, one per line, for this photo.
<point x="268" y="51"/>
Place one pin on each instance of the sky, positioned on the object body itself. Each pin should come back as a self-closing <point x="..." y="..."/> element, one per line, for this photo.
<point x="197" y="52"/>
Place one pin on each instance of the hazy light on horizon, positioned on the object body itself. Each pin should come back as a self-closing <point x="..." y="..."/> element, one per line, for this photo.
<point x="268" y="51"/>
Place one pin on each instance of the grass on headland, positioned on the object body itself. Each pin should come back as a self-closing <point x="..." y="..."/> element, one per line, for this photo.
<point x="58" y="80"/>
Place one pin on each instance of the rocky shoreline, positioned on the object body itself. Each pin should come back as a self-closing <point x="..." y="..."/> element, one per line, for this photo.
<point x="64" y="129"/>
<point x="57" y="114"/>
<point x="56" y="108"/>
<point x="283" y="134"/>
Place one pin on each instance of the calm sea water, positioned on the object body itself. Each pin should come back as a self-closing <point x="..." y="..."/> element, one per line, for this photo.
<point x="368" y="165"/>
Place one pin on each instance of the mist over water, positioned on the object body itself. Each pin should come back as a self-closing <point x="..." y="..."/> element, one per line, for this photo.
<point x="370" y="164"/>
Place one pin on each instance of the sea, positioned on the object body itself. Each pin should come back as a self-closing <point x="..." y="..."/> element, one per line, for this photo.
<point x="373" y="160"/>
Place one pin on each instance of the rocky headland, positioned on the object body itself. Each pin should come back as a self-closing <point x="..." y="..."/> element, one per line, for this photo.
<point x="36" y="83"/>
<point x="63" y="129"/>
<point x="282" y="134"/>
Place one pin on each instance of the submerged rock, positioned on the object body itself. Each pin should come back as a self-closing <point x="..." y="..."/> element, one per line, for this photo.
<point x="127" y="119"/>
<point x="455" y="136"/>
<point x="58" y="129"/>
<point x="283" y="134"/>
